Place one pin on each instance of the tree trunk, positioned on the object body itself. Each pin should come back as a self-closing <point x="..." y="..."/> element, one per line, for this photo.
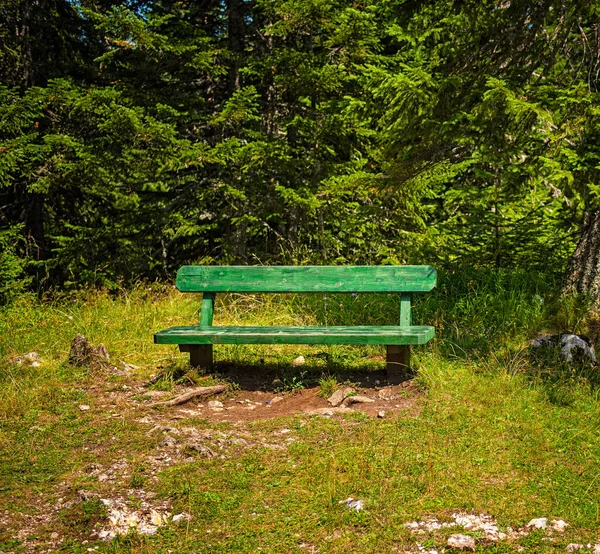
<point x="583" y="271"/>
<point x="235" y="30"/>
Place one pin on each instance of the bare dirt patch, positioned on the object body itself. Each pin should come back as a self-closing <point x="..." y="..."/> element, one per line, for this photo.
<point x="252" y="405"/>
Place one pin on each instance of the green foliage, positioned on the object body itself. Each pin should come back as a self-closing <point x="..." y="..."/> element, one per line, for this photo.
<point x="12" y="265"/>
<point x="138" y="137"/>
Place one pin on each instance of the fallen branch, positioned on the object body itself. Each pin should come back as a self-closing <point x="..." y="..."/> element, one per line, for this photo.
<point x="183" y="398"/>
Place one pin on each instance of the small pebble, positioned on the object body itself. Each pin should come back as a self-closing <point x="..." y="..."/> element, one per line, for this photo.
<point x="353" y="504"/>
<point x="461" y="542"/>
<point x="559" y="525"/>
<point x="381" y="414"/>
<point x="84" y="407"/>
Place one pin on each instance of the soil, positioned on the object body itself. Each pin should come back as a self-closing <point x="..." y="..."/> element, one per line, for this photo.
<point x="255" y="397"/>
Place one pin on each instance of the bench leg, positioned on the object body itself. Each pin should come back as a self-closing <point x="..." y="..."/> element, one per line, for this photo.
<point x="398" y="363"/>
<point x="201" y="355"/>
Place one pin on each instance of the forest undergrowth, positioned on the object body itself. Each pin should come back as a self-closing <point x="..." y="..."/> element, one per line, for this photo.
<point x="482" y="428"/>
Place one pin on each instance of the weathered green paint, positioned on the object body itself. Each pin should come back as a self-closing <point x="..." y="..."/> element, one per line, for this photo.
<point x="296" y="335"/>
<point x="198" y="340"/>
<point x="207" y="309"/>
<point x="405" y="310"/>
<point x="306" y="278"/>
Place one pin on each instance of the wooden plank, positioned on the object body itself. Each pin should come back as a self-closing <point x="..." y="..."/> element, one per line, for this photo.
<point x="306" y="278"/>
<point x="208" y="308"/>
<point x="405" y="310"/>
<point x="201" y="355"/>
<point x="398" y="363"/>
<point x="296" y="335"/>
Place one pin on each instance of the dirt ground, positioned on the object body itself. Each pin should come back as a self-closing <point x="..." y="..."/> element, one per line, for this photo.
<point x="255" y="397"/>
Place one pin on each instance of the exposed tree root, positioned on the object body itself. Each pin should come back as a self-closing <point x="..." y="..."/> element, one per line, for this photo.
<point x="183" y="398"/>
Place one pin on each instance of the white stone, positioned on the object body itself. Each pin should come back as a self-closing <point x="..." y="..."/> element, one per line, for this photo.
<point x="181" y="517"/>
<point x="297" y="362"/>
<point x="574" y="547"/>
<point x="215" y="404"/>
<point x="559" y="525"/>
<point x="539" y="523"/>
<point x="353" y="504"/>
<point x="84" y="407"/>
<point x="461" y="542"/>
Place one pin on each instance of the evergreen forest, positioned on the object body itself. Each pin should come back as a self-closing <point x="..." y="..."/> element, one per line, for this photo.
<point x="138" y="135"/>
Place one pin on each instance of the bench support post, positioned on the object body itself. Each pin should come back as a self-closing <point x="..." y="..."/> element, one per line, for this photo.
<point x="398" y="363"/>
<point x="201" y="355"/>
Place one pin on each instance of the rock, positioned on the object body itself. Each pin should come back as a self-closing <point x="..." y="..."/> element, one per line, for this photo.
<point x="575" y="547"/>
<point x="461" y="542"/>
<point x="84" y="407"/>
<point x="101" y="352"/>
<point x="358" y="399"/>
<point x="276" y="399"/>
<point x="203" y="450"/>
<point x="54" y="536"/>
<point x="181" y="517"/>
<point x="558" y="525"/>
<point x="299" y="361"/>
<point x="339" y="396"/>
<point x="32" y="359"/>
<point x="157" y="518"/>
<point x="385" y="394"/>
<point x="353" y="504"/>
<point x="86" y="495"/>
<point x="381" y="414"/>
<point x="215" y="405"/>
<point x="596" y="549"/>
<point x="83" y="354"/>
<point x="539" y="523"/>
<point x="80" y="351"/>
<point x="168" y="441"/>
<point x="574" y="349"/>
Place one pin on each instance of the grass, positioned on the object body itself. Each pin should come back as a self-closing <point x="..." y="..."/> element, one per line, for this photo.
<point x="484" y="433"/>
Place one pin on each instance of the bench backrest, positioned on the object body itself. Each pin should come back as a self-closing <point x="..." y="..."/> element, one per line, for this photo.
<point x="408" y="278"/>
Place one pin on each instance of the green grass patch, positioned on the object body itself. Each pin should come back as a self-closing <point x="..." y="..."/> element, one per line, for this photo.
<point x="484" y="434"/>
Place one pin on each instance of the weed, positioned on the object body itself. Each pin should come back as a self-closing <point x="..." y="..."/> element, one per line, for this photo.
<point x="294" y="382"/>
<point x="328" y="384"/>
<point x="138" y="477"/>
<point x="83" y="516"/>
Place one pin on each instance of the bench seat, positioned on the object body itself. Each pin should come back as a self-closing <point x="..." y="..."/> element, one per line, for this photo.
<point x="315" y="334"/>
<point x="198" y="340"/>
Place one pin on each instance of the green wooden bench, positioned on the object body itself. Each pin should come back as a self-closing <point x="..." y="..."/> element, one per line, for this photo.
<point x="198" y="340"/>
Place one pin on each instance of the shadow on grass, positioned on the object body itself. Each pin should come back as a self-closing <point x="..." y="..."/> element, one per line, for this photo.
<point x="269" y="376"/>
